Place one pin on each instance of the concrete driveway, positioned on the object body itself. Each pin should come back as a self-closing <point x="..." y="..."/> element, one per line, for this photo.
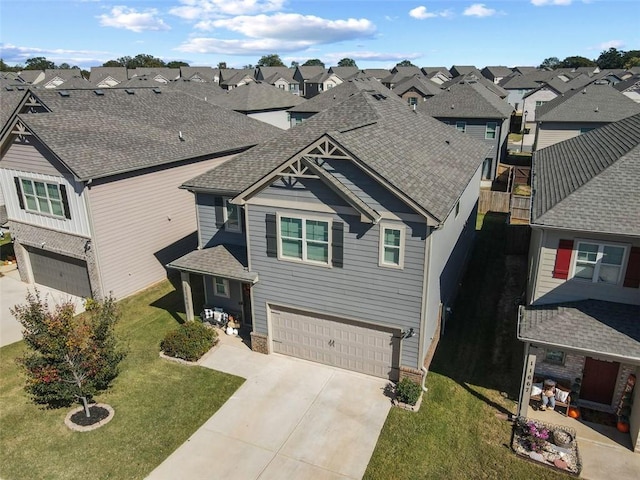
<point x="291" y="419"/>
<point x="13" y="292"/>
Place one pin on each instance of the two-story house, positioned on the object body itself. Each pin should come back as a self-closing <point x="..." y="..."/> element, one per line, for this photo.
<point x="416" y="89"/>
<point x="280" y="77"/>
<point x="343" y="240"/>
<point x="582" y="319"/>
<point x="105" y="77"/>
<point x="90" y="180"/>
<point x="580" y="111"/>
<point x="303" y="75"/>
<point x="472" y="109"/>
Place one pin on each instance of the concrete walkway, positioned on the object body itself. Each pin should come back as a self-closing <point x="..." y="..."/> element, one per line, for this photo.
<point x="291" y="420"/>
<point x="605" y="452"/>
<point x="14" y="292"/>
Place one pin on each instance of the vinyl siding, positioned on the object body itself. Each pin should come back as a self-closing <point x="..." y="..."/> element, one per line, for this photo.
<point x="550" y="133"/>
<point x="141" y="222"/>
<point x="542" y="95"/>
<point x="553" y="290"/>
<point x="209" y="234"/>
<point x="277" y="118"/>
<point x="31" y="156"/>
<point x="231" y="304"/>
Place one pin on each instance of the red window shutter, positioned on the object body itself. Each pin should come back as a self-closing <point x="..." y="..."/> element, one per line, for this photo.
<point x="563" y="259"/>
<point x="632" y="277"/>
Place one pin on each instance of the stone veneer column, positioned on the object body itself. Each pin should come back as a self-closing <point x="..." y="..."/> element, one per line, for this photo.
<point x="186" y="293"/>
<point x="259" y="343"/>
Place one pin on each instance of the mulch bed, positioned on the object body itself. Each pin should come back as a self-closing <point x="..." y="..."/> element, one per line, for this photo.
<point x="97" y="415"/>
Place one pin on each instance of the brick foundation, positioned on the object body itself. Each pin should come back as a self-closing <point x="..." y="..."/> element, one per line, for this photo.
<point x="259" y="343"/>
<point x="411" y="373"/>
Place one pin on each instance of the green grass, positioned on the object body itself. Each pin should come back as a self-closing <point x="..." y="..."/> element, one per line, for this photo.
<point x="460" y="430"/>
<point x="158" y="405"/>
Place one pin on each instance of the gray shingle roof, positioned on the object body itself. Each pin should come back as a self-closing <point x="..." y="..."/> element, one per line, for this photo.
<point x="589" y="326"/>
<point x="345" y="73"/>
<point x="30" y="76"/>
<point x="202" y="90"/>
<point x="429" y="162"/>
<point x="101" y="135"/>
<point x="426" y="87"/>
<point x="630" y="84"/>
<point x="593" y="103"/>
<point x="10" y="100"/>
<point x="309" y="71"/>
<point x="168" y="73"/>
<point x="457" y="70"/>
<point x="590" y="182"/>
<point x="205" y="73"/>
<point x="377" y="73"/>
<point x="227" y="261"/>
<point x="497" y="71"/>
<point x="477" y="78"/>
<point x="337" y="94"/>
<point x="466" y="100"/>
<point x="257" y="96"/>
<point x="533" y="79"/>
<point x="100" y="73"/>
<point x="74" y="83"/>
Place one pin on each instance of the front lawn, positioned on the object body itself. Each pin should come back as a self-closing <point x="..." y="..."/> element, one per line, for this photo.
<point x="158" y="405"/>
<point x="460" y="430"/>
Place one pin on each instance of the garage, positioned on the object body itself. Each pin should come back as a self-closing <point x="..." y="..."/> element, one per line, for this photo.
<point x="63" y="273"/>
<point x="335" y="341"/>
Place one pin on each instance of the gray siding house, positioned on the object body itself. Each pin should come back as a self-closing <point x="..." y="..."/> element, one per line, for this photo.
<point x="582" y="319"/>
<point x="343" y="240"/>
<point x="472" y="109"/>
<point x="91" y="183"/>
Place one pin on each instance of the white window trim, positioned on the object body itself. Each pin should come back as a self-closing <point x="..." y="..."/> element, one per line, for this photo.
<point x="227" y="226"/>
<point x="495" y="130"/>
<point x="391" y="226"/>
<point x="225" y="283"/>
<point x="464" y="127"/>
<point x="38" y="212"/>
<point x="601" y="245"/>
<point x="304" y="219"/>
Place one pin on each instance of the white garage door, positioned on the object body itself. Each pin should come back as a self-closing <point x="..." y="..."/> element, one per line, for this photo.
<point x="334" y="341"/>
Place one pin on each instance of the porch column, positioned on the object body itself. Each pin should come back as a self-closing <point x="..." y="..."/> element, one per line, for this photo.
<point x="186" y="292"/>
<point x="526" y="383"/>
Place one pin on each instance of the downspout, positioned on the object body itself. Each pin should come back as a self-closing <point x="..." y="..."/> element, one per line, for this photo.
<point x="425" y="290"/>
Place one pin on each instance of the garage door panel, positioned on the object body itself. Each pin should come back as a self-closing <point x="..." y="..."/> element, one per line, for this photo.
<point x="333" y="341"/>
<point x="60" y="272"/>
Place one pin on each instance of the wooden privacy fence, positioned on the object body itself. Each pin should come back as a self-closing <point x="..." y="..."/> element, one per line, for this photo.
<point x="491" y="201"/>
<point x="520" y="206"/>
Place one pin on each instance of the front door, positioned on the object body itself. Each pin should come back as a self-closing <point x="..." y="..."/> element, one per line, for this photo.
<point x="599" y="380"/>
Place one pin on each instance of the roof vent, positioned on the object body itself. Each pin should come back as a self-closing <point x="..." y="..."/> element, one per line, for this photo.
<point x="9" y="88"/>
<point x="597" y="109"/>
<point x="63" y="93"/>
<point x="129" y="91"/>
<point x="584" y="91"/>
<point x="379" y="96"/>
<point x="20" y="88"/>
<point x="157" y="90"/>
<point x="99" y="92"/>
<point x="452" y="106"/>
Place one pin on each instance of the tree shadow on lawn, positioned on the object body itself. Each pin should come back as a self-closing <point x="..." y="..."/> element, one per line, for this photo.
<point x="479" y="346"/>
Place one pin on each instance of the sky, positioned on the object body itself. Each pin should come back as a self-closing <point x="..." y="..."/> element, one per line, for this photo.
<point x="375" y="33"/>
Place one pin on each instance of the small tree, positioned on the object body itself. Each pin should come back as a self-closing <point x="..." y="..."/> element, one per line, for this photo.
<point x="71" y="358"/>
<point x="551" y="63"/>
<point x="405" y="63"/>
<point x="272" y="60"/>
<point x="347" y="62"/>
<point x="313" y="62"/>
<point x="38" y="63"/>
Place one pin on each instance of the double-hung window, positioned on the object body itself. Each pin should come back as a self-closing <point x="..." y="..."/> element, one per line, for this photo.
<point x="304" y="239"/>
<point x="461" y="127"/>
<point x="221" y="287"/>
<point x="232" y="217"/>
<point x="490" y="130"/>
<point x="42" y="197"/>
<point x="599" y="263"/>
<point x="391" y="246"/>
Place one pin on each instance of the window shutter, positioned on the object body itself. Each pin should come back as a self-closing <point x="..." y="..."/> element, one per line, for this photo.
<point x="219" y="206"/>
<point x="272" y="235"/>
<point x="65" y="202"/>
<point x="563" y="259"/>
<point x="337" y="244"/>
<point x="19" y="191"/>
<point x="632" y="277"/>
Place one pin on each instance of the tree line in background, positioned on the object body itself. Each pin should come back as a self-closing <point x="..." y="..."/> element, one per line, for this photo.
<point x="608" y="59"/>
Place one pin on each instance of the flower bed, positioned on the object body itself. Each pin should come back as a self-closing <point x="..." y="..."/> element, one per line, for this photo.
<point x="550" y="445"/>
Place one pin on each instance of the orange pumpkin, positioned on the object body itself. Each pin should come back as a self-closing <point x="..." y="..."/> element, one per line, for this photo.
<point x="623" y="427"/>
<point x="574" y="412"/>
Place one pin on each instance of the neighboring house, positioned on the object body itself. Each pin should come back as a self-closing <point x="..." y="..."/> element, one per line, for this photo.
<point x="279" y="77"/>
<point x="580" y="111"/>
<point x="496" y="73"/>
<point x="343" y="240"/>
<point x="200" y="74"/>
<point x="458" y="70"/>
<point x="475" y="77"/>
<point x="345" y="73"/>
<point x="261" y="101"/>
<point x="582" y="319"/>
<point x="518" y="84"/>
<point x="231" y="78"/>
<point x="74" y="83"/>
<point x="203" y="90"/>
<point x="416" y="89"/>
<point x="377" y="73"/>
<point x="321" y="83"/>
<point x="91" y="183"/>
<point x="630" y="87"/>
<point x="105" y="77"/>
<point x="161" y="74"/>
<point x="330" y="98"/>
<point x="472" y="109"/>
<point x="437" y="75"/>
<point x="304" y="74"/>
<point x="32" y="77"/>
<point x="55" y="77"/>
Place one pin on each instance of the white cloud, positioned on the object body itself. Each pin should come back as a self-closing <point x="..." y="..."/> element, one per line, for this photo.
<point x="208" y="9"/>
<point x="542" y="3"/>
<point x="611" y="44"/>
<point x="241" y="47"/>
<point x="15" y="54"/>
<point x="421" y="13"/>
<point x="131" y="19"/>
<point x="297" y="28"/>
<point x="373" y="56"/>
<point x="479" y="10"/>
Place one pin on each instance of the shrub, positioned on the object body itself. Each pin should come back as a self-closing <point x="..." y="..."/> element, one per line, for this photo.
<point x="189" y="341"/>
<point x="408" y="391"/>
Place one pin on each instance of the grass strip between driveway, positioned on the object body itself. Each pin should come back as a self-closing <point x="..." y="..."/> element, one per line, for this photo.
<point x="158" y="405"/>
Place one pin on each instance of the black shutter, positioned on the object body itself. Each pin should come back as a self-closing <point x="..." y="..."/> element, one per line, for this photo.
<point x="219" y="204"/>
<point x="65" y="202"/>
<point x="337" y="244"/>
<point x="19" y="191"/>
<point x="272" y="235"/>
